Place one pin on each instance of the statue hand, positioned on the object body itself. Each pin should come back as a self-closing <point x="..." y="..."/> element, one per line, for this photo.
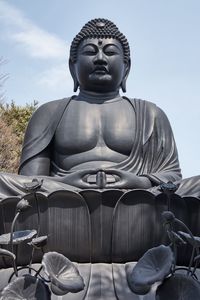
<point x="79" y="178"/>
<point x="127" y="180"/>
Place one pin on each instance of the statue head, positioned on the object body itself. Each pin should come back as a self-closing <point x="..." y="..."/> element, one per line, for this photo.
<point x="100" y="32"/>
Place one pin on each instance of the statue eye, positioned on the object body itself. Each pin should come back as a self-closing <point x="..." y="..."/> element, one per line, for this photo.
<point x="111" y="50"/>
<point x="110" y="53"/>
<point x="88" y="50"/>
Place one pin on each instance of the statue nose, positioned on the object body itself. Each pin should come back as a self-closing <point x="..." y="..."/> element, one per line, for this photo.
<point x="100" y="59"/>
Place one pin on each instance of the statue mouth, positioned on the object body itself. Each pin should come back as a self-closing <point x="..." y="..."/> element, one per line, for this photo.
<point x="100" y="70"/>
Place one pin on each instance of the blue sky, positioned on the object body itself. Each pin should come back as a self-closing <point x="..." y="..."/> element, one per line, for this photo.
<point x="164" y="37"/>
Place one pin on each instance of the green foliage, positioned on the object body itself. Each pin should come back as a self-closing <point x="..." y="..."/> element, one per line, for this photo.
<point x="13" y="122"/>
<point x="17" y="117"/>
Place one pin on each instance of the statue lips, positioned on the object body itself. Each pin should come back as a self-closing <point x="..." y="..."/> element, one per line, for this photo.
<point x="101" y="70"/>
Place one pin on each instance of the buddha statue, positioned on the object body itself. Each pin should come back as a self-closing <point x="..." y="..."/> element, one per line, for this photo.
<point x="98" y="139"/>
<point x="109" y="153"/>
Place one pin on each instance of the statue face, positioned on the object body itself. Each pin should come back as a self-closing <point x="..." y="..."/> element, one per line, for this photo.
<point x="100" y="65"/>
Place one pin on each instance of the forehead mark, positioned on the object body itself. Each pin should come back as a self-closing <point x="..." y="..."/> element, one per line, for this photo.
<point x="100" y="41"/>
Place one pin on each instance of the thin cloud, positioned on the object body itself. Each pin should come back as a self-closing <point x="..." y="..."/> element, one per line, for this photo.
<point x="35" y="41"/>
<point x="56" y="78"/>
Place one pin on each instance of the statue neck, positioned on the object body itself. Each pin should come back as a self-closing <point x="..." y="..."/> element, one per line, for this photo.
<point x="98" y="97"/>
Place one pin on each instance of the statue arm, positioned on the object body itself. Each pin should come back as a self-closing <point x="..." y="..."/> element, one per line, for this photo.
<point x="37" y="165"/>
<point x="35" y="158"/>
<point x="35" y="155"/>
<point x="161" y="153"/>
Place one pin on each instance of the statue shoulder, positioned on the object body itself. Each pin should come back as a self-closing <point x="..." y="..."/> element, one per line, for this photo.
<point x="47" y="111"/>
<point x="147" y="107"/>
<point x="161" y="120"/>
<point x="41" y="128"/>
<point x="150" y="115"/>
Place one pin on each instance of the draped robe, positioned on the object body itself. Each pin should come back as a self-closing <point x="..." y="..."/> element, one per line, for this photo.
<point x="153" y="154"/>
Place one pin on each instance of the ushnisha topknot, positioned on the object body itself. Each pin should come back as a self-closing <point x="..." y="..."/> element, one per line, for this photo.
<point x="99" y="28"/>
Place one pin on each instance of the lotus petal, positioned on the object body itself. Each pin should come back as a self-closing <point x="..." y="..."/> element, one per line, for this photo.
<point x="179" y="287"/>
<point x="18" y="237"/>
<point x="27" y="288"/>
<point x="6" y="253"/>
<point x="154" y="265"/>
<point x="194" y="242"/>
<point x="63" y="274"/>
<point x="39" y="242"/>
<point x="22" y="205"/>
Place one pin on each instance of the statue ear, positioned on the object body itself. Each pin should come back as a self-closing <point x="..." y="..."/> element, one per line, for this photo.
<point x="126" y="72"/>
<point x="73" y="74"/>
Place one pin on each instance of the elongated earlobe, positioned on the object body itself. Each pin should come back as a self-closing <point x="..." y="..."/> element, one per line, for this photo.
<point x="73" y="74"/>
<point x="123" y="85"/>
<point x="126" y="72"/>
<point x="76" y="85"/>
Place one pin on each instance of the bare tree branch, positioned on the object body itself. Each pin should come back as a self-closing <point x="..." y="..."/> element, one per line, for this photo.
<point x="3" y="78"/>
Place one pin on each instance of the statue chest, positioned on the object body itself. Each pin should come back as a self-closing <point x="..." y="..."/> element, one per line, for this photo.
<point x="86" y="126"/>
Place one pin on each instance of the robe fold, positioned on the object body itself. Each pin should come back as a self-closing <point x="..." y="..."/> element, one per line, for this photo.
<point x="154" y="152"/>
